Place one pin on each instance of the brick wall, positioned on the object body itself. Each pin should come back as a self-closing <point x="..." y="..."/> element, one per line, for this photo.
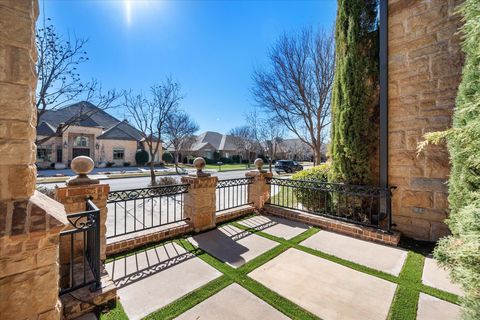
<point x="424" y="72"/>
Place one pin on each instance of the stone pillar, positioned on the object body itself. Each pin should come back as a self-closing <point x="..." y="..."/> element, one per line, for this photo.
<point x="259" y="190"/>
<point x="30" y="222"/>
<point x="74" y="195"/>
<point x="199" y="206"/>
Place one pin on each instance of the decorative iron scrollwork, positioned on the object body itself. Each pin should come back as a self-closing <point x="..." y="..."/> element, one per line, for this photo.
<point x="133" y="194"/>
<point x="234" y="182"/>
<point x="83" y="222"/>
<point x="346" y="189"/>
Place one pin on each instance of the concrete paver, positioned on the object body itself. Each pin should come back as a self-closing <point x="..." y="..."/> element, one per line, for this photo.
<point x="151" y="279"/>
<point x="232" y="245"/>
<point x="327" y="289"/>
<point x="434" y="276"/>
<point x="233" y="302"/>
<point x="275" y="226"/>
<point x="373" y="255"/>
<point x="431" y="308"/>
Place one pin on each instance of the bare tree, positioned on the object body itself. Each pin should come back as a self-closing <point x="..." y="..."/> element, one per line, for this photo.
<point x="268" y="132"/>
<point x="243" y="139"/>
<point x="297" y="86"/>
<point x="59" y="81"/>
<point x="179" y="130"/>
<point x="150" y="115"/>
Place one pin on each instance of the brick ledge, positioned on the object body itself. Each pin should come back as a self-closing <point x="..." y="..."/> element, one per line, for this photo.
<point x="349" y="229"/>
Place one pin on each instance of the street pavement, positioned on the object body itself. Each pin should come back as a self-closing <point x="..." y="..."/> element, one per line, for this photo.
<point x="142" y="182"/>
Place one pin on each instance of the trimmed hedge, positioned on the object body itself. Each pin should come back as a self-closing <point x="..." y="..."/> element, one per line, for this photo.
<point x="460" y="252"/>
<point x="141" y="157"/>
<point x="313" y="200"/>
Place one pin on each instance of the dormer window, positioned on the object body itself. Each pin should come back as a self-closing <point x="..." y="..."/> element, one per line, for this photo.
<point x="81" y="141"/>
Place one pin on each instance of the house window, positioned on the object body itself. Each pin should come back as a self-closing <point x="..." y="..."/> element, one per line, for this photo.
<point x="43" y="154"/>
<point x="59" y="154"/>
<point x="81" y="141"/>
<point x="118" y="154"/>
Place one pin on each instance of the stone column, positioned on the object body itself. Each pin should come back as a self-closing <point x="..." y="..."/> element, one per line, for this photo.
<point x="199" y="206"/>
<point x="30" y="222"/>
<point x="259" y="190"/>
<point x="74" y="195"/>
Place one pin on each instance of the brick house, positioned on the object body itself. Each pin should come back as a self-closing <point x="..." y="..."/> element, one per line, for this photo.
<point x="209" y="143"/>
<point x="87" y="130"/>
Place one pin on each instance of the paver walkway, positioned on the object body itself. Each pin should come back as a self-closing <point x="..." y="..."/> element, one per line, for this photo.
<point x="278" y="269"/>
<point x="275" y="226"/>
<point x="431" y="308"/>
<point x="370" y="254"/>
<point x="327" y="289"/>
<point x="151" y="279"/>
<point x="233" y="302"/>
<point x="435" y="276"/>
<point x="232" y="245"/>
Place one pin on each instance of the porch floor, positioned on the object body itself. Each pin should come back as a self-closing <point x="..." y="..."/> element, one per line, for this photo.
<point x="263" y="267"/>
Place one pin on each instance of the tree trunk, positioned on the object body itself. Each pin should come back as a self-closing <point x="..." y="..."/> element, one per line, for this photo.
<point x="176" y="161"/>
<point x="152" y="170"/>
<point x="317" y="155"/>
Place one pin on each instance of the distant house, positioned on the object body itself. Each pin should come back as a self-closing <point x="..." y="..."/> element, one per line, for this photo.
<point x="295" y="149"/>
<point x="210" y="144"/>
<point x="91" y="132"/>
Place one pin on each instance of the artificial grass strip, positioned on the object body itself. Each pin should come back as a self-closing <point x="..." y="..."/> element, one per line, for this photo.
<point x="304" y="235"/>
<point x="240" y="276"/>
<point x="190" y="300"/>
<point x="404" y="305"/>
<point x="114" y="314"/>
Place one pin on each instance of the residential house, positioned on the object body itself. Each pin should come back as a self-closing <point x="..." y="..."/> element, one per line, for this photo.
<point x="211" y="145"/>
<point x="295" y="149"/>
<point x="84" y="129"/>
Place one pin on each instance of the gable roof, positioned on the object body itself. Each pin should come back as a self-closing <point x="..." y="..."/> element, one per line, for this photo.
<point x="96" y="118"/>
<point x="113" y="128"/>
<point x="45" y="129"/>
<point x="217" y="141"/>
<point x="117" y="132"/>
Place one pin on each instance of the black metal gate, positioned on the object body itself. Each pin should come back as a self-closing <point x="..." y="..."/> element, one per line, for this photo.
<point x="80" y="263"/>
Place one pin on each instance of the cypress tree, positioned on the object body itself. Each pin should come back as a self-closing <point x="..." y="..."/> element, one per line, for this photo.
<point x="354" y="108"/>
<point x="460" y="252"/>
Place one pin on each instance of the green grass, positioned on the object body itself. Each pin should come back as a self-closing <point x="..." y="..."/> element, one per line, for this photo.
<point x="285" y="197"/>
<point x="115" y="314"/>
<point x="403" y="307"/>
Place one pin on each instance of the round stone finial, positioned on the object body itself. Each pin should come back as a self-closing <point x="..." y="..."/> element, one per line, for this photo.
<point x="258" y="163"/>
<point x="199" y="163"/>
<point x="82" y="165"/>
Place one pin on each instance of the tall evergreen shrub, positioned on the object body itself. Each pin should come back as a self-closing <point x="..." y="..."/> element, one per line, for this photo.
<point x="356" y="58"/>
<point x="460" y="252"/>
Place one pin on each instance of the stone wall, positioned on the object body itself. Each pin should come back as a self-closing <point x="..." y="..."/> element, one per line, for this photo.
<point x="29" y="221"/>
<point x="425" y="65"/>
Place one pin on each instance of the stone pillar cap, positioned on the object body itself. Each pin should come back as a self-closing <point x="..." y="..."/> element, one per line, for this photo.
<point x="259" y="164"/>
<point x="199" y="163"/>
<point x="82" y="165"/>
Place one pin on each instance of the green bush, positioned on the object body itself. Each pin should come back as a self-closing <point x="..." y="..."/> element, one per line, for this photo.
<point x="313" y="200"/>
<point x="460" y="252"/>
<point x="141" y="157"/>
<point x="167" y="157"/>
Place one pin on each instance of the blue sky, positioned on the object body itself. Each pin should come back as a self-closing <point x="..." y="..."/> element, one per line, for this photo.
<point x="210" y="47"/>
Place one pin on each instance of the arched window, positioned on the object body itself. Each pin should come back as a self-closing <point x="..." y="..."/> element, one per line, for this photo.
<point x="81" y="141"/>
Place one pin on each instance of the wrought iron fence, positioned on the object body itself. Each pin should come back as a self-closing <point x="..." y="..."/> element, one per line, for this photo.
<point x="142" y="209"/>
<point x="232" y="193"/>
<point x="80" y="254"/>
<point x="365" y="205"/>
